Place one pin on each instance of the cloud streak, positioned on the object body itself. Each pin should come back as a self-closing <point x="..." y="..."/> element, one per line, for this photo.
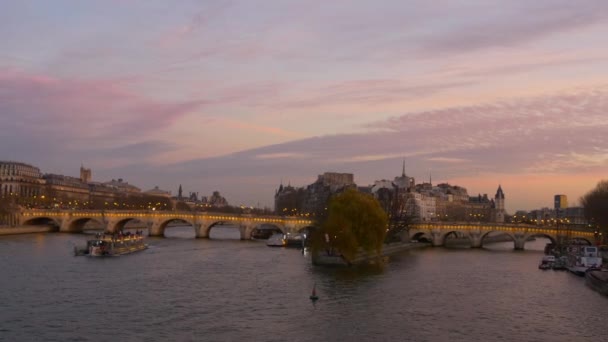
<point x="79" y="116"/>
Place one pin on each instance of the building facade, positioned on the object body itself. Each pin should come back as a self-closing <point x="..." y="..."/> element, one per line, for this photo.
<point x="20" y="179"/>
<point x="560" y="202"/>
<point x="312" y="199"/>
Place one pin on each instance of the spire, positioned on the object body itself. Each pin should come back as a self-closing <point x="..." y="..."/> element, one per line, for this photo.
<point x="179" y="192"/>
<point x="403" y="169"/>
<point x="430" y="178"/>
<point x="499" y="193"/>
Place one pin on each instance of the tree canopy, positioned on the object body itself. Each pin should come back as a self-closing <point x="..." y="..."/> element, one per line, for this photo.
<point x="595" y="203"/>
<point x="354" y="221"/>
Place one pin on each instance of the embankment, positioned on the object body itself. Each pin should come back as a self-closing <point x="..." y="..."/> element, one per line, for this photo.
<point x="365" y="258"/>
<point x="26" y="229"/>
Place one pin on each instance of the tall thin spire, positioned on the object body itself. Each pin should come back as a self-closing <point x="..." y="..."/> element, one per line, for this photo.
<point x="430" y="178"/>
<point x="403" y="169"/>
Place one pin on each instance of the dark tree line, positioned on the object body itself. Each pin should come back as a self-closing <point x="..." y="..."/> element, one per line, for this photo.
<point x="595" y="204"/>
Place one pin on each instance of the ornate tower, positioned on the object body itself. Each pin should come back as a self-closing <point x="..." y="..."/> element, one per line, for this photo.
<point x="85" y="174"/>
<point x="499" y="205"/>
<point x="179" y="192"/>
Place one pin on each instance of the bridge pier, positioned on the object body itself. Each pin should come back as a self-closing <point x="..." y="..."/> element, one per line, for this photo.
<point x="246" y="229"/>
<point x="155" y="229"/>
<point x="475" y="237"/>
<point x="519" y="241"/>
<point x="201" y="231"/>
<point x="437" y="238"/>
<point x="65" y="226"/>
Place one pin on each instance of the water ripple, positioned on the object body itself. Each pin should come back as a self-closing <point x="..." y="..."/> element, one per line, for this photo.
<point x="184" y="289"/>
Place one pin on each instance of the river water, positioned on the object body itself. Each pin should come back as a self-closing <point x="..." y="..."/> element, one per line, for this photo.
<point x="223" y="289"/>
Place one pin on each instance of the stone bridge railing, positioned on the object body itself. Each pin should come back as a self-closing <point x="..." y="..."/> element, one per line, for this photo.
<point x="157" y="221"/>
<point x="519" y="233"/>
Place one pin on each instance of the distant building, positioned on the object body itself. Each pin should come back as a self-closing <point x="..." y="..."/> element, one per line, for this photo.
<point x="65" y="186"/>
<point x="560" y="202"/>
<point x="158" y="192"/>
<point x="560" y="214"/>
<point x="542" y="215"/>
<point x="317" y="194"/>
<point x="26" y="181"/>
<point x="312" y="199"/>
<point x="122" y="186"/>
<point x="20" y="179"/>
<point x="426" y="202"/>
<point x="85" y="175"/>
<point x="498" y="214"/>
<point x="217" y="200"/>
<point x="574" y="215"/>
<point x="288" y="199"/>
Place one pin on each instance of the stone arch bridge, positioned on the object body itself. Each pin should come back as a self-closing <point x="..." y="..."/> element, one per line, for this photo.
<point x="476" y="232"/>
<point x="74" y="221"/>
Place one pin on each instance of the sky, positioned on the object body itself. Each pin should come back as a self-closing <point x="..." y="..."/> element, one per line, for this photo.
<point x="240" y="96"/>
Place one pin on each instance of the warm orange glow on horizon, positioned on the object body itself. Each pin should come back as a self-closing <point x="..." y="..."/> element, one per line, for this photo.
<point x="529" y="191"/>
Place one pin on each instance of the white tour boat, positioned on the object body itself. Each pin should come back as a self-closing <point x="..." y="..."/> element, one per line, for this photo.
<point x="112" y="244"/>
<point x="582" y="258"/>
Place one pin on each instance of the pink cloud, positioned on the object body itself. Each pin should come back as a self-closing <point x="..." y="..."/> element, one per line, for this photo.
<point x="82" y="109"/>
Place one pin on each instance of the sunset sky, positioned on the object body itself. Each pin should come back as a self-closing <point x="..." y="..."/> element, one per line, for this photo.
<point x="237" y="96"/>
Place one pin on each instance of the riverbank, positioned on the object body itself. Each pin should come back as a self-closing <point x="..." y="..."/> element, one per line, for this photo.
<point x="365" y="258"/>
<point x="598" y="281"/>
<point x="4" y="230"/>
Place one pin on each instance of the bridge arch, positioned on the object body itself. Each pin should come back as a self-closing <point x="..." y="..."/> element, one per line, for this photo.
<point x="264" y="230"/>
<point x="120" y="224"/>
<point x="158" y="229"/>
<point x="499" y="238"/>
<point x="43" y="221"/>
<point x="245" y="227"/>
<point x="579" y="239"/>
<point x="458" y="235"/>
<point x="77" y="225"/>
<point x="421" y="236"/>
<point x="545" y="235"/>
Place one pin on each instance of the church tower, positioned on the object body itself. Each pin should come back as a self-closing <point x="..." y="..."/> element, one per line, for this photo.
<point x="85" y="174"/>
<point x="499" y="205"/>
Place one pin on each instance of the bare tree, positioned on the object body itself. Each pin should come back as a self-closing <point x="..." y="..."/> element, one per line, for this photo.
<point x="394" y="203"/>
<point x="595" y="203"/>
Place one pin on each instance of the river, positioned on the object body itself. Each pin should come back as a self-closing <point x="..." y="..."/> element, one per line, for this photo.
<point x="224" y="289"/>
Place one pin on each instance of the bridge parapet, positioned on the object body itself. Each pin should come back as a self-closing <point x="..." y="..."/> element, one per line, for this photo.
<point x="519" y="233"/>
<point x="156" y="221"/>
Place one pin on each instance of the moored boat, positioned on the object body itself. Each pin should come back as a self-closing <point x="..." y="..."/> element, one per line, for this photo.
<point x="264" y="231"/>
<point x="112" y="245"/>
<point x="547" y="262"/>
<point x="277" y="240"/>
<point x="560" y="263"/>
<point x="294" y="240"/>
<point x="582" y="258"/>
